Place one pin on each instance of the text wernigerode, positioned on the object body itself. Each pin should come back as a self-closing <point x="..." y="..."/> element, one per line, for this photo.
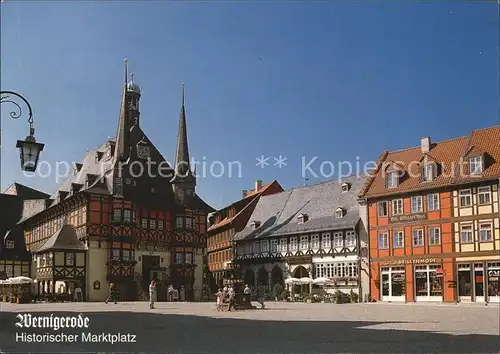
<point x="56" y="323"/>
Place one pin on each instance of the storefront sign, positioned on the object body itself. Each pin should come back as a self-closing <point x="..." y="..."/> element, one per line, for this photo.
<point x="452" y="283"/>
<point x="409" y="261"/>
<point x="494" y="273"/>
<point x="299" y="260"/>
<point x="411" y="217"/>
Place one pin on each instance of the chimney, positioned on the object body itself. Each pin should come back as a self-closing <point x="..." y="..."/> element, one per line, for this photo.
<point x="425" y="145"/>
<point x="244" y="193"/>
<point x="258" y="185"/>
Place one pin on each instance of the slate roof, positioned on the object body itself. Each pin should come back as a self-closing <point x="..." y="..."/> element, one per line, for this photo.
<point x="25" y="192"/>
<point x="277" y="213"/>
<point x="447" y="154"/>
<point x="64" y="239"/>
<point x="249" y="200"/>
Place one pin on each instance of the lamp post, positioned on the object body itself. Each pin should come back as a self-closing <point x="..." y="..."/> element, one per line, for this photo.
<point x="29" y="148"/>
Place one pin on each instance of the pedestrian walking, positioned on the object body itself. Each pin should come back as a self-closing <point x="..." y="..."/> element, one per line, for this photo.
<point x="170" y="293"/>
<point x="152" y="294"/>
<point x="112" y="293"/>
<point x="220" y="301"/>
<point x="232" y="295"/>
<point x="261" y="295"/>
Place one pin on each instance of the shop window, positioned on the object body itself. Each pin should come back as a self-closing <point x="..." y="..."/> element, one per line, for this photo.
<point x="493" y="280"/>
<point x="479" y="280"/>
<point x="427" y="282"/>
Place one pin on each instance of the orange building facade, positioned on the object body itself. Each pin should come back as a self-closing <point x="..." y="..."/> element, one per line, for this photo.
<point x="434" y="221"/>
<point x="405" y="264"/>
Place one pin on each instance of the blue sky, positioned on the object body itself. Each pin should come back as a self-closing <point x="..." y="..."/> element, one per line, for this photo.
<point x="341" y="81"/>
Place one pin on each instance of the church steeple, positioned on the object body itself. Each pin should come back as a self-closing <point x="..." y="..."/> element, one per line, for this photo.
<point x="122" y="147"/>
<point x="184" y="180"/>
<point x="129" y="116"/>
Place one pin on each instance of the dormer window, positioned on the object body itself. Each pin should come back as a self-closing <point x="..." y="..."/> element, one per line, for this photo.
<point x="9" y="244"/>
<point x="392" y="179"/>
<point x="429" y="172"/>
<point x="475" y="165"/>
<point x="339" y="213"/>
<point x="302" y="218"/>
<point x="345" y="187"/>
<point x="255" y="225"/>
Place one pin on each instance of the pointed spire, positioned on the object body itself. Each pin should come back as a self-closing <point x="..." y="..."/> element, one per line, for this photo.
<point x="182" y="153"/>
<point x="122" y="148"/>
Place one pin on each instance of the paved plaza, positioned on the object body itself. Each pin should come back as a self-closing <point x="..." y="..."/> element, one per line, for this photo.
<point x="280" y="328"/>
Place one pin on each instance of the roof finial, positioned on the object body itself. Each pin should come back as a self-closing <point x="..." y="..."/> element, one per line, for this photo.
<point x="182" y="88"/>
<point x="132" y="77"/>
<point x="126" y="70"/>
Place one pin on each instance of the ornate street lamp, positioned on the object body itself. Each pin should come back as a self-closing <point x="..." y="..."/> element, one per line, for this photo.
<point x="29" y="148"/>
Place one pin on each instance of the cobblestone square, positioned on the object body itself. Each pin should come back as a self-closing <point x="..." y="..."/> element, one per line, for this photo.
<point x="280" y="328"/>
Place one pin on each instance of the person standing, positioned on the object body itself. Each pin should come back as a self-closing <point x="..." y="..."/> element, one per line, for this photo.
<point x="152" y="294"/>
<point x="112" y="293"/>
<point x="232" y="294"/>
<point x="170" y="292"/>
<point x="261" y="295"/>
<point x="219" y="300"/>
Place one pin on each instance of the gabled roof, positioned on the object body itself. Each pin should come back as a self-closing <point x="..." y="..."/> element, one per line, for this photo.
<point x="449" y="154"/>
<point x="64" y="239"/>
<point x="248" y="200"/>
<point x="278" y="212"/>
<point x="25" y="192"/>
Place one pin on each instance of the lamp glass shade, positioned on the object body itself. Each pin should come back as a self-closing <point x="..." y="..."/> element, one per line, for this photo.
<point x="30" y="152"/>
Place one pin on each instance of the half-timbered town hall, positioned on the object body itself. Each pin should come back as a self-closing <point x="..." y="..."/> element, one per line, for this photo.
<point x="125" y="216"/>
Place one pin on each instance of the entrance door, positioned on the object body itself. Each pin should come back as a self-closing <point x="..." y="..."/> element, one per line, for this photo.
<point x="393" y="283"/>
<point x="479" y="282"/>
<point x="464" y="282"/>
